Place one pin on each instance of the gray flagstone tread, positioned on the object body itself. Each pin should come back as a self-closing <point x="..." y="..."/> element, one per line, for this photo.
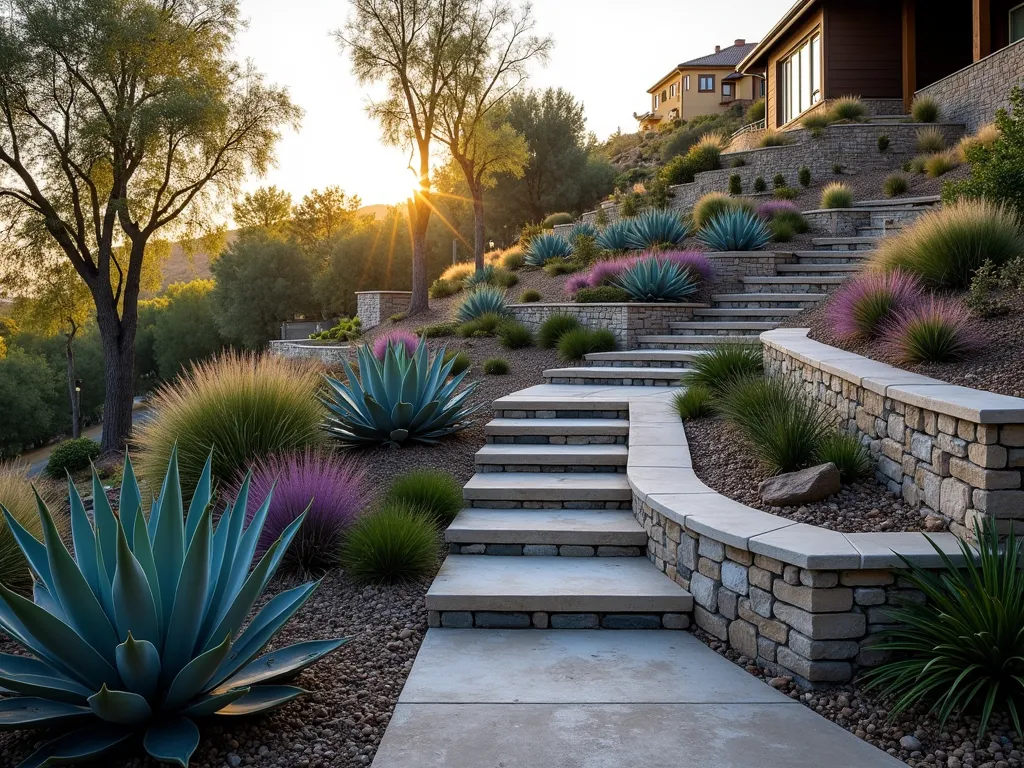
<point x="548" y="486"/>
<point x="599" y="455"/>
<point x="557" y="427"/>
<point x="599" y="372"/>
<point x="747" y="312"/>
<point x="576" y="397"/>
<point x="799" y="297"/>
<point x="655" y="355"/>
<point x="707" y="339"/>
<point x="588" y="527"/>
<point x="555" y="585"/>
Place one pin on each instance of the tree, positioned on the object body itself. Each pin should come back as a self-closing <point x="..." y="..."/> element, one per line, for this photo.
<point x="25" y="385"/>
<point x="414" y="47"/>
<point x="119" y="120"/>
<point x="185" y="328"/>
<point x="472" y="123"/>
<point x="321" y="216"/>
<point x="268" y="208"/>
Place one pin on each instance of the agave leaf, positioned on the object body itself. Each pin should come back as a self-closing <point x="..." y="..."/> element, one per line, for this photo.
<point x="143" y="552"/>
<point x="282" y="664"/>
<point x="224" y="551"/>
<point x="401" y="415"/>
<point x="120" y="707"/>
<point x="32" y="677"/>
<point x="189" y="602"/>
<point x="103" y="516"/>
<point x="34" y="712"/>
<point x="172" y="740"/>
<point x="134" y="609"/>
<point x="84" y="538"/>
<point x="194" y="677"/>
<point x="41" y="596"/>
<point x="138" y="662"/>
<point x="79" y="746"/>
<point x="167" y="535"/>
<point x="200" y="499"/>
<point x="262" y="698"/>
<point x="33" y="549"/>
<point x="208" y="705"/>
<point x="130" y="499"/>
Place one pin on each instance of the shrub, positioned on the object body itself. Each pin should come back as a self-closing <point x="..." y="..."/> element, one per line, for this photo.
<point x="773" y="138"/>
<point x="395" y="544"/>
<point x="804" y="176"/>
<point x="560" y="267"/>
<point x="460" y="361"/>
<point x="987" y="279"/>
<point x="735" y="184"/>
<point x="155" y="630"/>
<point x="434" y="493"/>
<point x="482" y="301"/>
<point x="651" y="279"/>
<point x="883" y="143"/>
<point x="503" y="278"/>
<point x="848" y="454"/>
<point x="782" y="429"/>
<point x="514" y="335"/>
<point x="754" y="112"/>
<point x="656" y="229"/>
<point x="724" y="365"/>
<point x="694" y="402"/>
<point x="495" y="366"/>
<point x="456" y="273"/>
<point x="785" y="193"/>
<point x="442" y="289"/>
<point x="837" y="169"/>
<point x="72" y="456"/>
<point x="847" y="108"/>
<point x="985" y="137"/>
<point x="513" y="259"/>
<point x="601" y="294"/>
<point x="778" y="181"/>
<point x="557" y="219"/>
<point x="18" y="497"/>
<point x="397" y="317"/>
<point x="400" y="399"/>
<point x="793" y="219"/>
<point x="836" y="195"/>
<point x="737" y="162"/>
<point x="243" y="406"/>
<point x="895" y="185"/>
<point x="485" y="325"/>
<point x="614" y="237"/>
<point x="552" y="329"/>
<point x="782" y="230"/>
<point x="346" y="330"/>
<point x="528" y="232"/>
<point x="577" y="343"/>
<point x="759" y="184"/>
<point x="944" y="247"/>
<point x="925" y="109"/>
<point x="736" y="230"/>
<point x="864" y="304"/>
<point x="962" y="649"/>
<point x="705" y="155"/>
<point x="941" y="163"/>
<point x="816" y="121"/>
<point x="543" y="248"/>
<point x="437" y="330"/>
<point x="933" y="331"/>
<point x="678" y="170"/>
<point x="930" y="140"/>
<point x="401" y="340"/>
<point x="709" y="207"/>
<point x="769" y="210"/>
<point x="529" y="296"/>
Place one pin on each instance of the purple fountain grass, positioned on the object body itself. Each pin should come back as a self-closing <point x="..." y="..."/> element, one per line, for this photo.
<point x="331" y="485"/>
<point x="604" y="272"/>
<point x="769" y="210"/>
<point x="863" y="305"/>
<point x="695" y="261"/>
<point x="934" y="330"/>
<point x="576" y="283"/>
<point x="398" y="339"/>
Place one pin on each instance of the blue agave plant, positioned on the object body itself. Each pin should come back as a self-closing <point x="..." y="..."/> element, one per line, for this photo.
<point x="484" y="300"/>
<point x="615" y="237"/>
<point x="654" y="279"/>
<point x="736" y="230"/>
<point x="582" y="229"/>
<point x="400" y="398"/>
<point x="547" y="246"/>
<point x="478" y="277"/>
<point x="141" y="631"/>
<point x="656" y="229"/>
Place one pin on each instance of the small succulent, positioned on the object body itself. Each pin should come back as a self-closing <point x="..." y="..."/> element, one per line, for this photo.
<point x="652" y="279"/>
<point x="615" y="237"/>
<point x="399" y="399"/>
<point x="656" y="229"/>
<point x="736" y="230"/>
<point x="144" y="629"/>
<point x="545" y="247"/>
<point x="483" y="301"/>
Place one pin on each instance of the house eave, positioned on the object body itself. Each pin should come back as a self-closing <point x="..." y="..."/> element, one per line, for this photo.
<point x="792" y="16"/>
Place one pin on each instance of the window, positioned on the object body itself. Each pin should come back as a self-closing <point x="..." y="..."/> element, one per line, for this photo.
<point x="672" y="91"/>
<point x="1017" y="23"/>
<point x="686" y="83"/>
<point x="657" y="101"/>
<point x="727" y="90"/>
<point x="800" y="79"/>
<point x="706" y="83"/>
<point x="664" y="95"/>
<point x="758" y="87"/>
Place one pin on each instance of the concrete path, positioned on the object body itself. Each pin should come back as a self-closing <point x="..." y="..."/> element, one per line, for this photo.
<point x="600" y="699"/>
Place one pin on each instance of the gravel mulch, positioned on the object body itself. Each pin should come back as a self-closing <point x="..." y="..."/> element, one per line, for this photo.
<point x="721" y="462"/>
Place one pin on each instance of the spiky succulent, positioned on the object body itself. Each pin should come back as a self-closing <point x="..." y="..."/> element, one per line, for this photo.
<point x="545" y="247"/>
<point x="478" y="277"/>
<point x="652" y="279"/>
<point x="615" y="237"/>
<point x="485" y="300"/>
<point x="736" y="230"/>
<point x="141" y="631"/>
<point x="582" y="229"/>
<point x="399" y="399"/>
<point x="656" y="229"/>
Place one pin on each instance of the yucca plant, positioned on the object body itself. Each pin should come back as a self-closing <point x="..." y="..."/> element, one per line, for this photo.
<point x="615" y="237"/>
<point x="399" y="399"/>
<point x="962" y="650"/>
<point x="736" y="230"/>
<point x="545" y="247"/>
<point x="656" y="229"/>
<point x="141" y="631"/>
<point x="485" y="300"/>
<point x="651" y="279"/>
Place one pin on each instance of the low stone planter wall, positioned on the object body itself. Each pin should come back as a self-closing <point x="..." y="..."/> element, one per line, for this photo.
<point x="330" y="353"/>
<point x="626" y="320"/>
<point x="950" y="450"/>
<point x="374" y="307"/>
<point x="730" y="266"/>
<point x="845" y="222"/>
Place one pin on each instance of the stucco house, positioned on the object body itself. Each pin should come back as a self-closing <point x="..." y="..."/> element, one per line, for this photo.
<point x="703" y="86"/>
<point x="884" y="51"/>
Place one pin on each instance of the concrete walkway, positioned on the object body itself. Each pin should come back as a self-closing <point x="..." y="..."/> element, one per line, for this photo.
<point x="600" y="699"/>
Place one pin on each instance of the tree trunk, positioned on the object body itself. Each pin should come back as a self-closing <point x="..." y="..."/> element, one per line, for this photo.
<point x="76" y="415"/>
<point x="419" y="213"/>
<point x="478" y="226"/>
<point x="118" y="337"/>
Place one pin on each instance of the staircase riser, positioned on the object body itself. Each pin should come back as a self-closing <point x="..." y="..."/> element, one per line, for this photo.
<point x="754" y="303"/>
<point x="901" y="218"/>
<point x="795" y="287"/>
<point x="539" y="413"/>
<point x="589" y="504"/>
<point x="764" y="316"/>
<point x="818" y="273"/>
<point x="641" y="363"/>
<point x="623" y="382"/>
<point x="848" y="247"/>
<point x="682" y="345"/>
<point x="717" y="331"/>
<point x="556" y="439"/>
<point x="828" y="258"/>
<point x="554" y="468"/>
<point x="546" y="550"/>
<point x="540" y="620"/>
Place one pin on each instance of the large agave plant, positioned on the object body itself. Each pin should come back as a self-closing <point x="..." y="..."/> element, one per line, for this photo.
<point x="736" y="230"/>
<point x="656" y="229"/>
<point x="543" y="248"/>
<point x="615" y="237"/>
<point x="582" y="229"/>
<point x="141" y="631"/>
<point x="485" y="300"/>
<point x="478" y="277"/>
<point x="400" y="398"/>
<point x="652" y="279"/>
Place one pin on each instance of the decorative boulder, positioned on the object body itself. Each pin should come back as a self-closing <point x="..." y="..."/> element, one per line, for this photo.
<point x="795" y="488"/>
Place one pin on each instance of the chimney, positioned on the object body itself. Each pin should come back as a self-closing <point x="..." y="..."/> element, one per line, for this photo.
<point x="740" y="41"/>
<point x="718" y="49"/>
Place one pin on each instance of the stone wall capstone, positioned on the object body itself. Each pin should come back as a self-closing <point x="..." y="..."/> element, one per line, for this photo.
<point x="329" y="353"/>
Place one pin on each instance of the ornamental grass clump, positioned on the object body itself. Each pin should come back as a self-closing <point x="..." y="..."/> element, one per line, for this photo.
<point x="395" y="338"/>
<point x="484" y="300"/>
<point x="772" y="208"/>
<point x="694" y="402"/>
<point x="545" y="247"/>
<point x="146" y="628"/>
<point x="553" y="328"/>
<point x="495" y="366"/>
<point x="849" y="455"/>
<point x="529" y="296"/>
<point x="962" y="650"/>
<point x="460" y="361"/>
<point x="436" y="494"/>
<point x="863" y="305"/>
<point x="513" y="259"/>
<point x="724" y="365"/>
<point x="849" y="108"/>
<point x="330" y="489"/>
<point x="18" y="497"/>
<point x="241" y="405"/>
<point x="485" y="325"/>
<point x="478" y="277"/>
<point x="930" y="140"/>
<point x="442" y="289"/>
<point x="836" y="195"/>
<point x="514" y="335"/>
<point x="895" y="185"/>
<point x="396" y="543"/>
<point x="456" y="273"/>
<point x="577" y="343"/>
<point x="736" y="230"/>
<point x="651" y="280"/>
<point x="936" y="330"/>
<point x="709" y="207"/>
<point x="656" y="229"/>
<point x="925" y="109"/>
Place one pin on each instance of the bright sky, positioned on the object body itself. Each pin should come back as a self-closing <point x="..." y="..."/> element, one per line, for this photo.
<point x="607" y="52"/>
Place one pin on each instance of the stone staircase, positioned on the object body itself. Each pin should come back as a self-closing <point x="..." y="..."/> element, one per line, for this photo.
<point x="548" y="538"/>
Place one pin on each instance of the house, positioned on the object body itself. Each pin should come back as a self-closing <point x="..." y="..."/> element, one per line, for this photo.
<point x="883" y="51"/>
<point x="706" y="85"/>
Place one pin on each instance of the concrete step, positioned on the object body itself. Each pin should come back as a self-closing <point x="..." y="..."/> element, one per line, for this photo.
<point x="845" y="243"/>
<point x="766" y="300"/>
<point x="548" y="527"/>
<point x="681" y="341"/>
<point x="816" y="269"/>
<point x="899" y="202"/>
<point x="573" y="490"/>
<point x="523" y="406"/>
<point x="601" y="585"/>
<point x="566" y="458"/>
<point x="713" y="327"/>
<point x="615" y="375"/>
<point x="557" y="428"/>
<point x="755" y="313"/>
<point x="644" y="358"/>
<point x="794" y="284"/>
<point x="831" y="257"/>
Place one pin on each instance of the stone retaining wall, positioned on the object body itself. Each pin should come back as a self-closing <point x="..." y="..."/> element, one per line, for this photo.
<point x="374" y="307"/>
<point x="626" y="320"/>
<point x="329" y="353"/>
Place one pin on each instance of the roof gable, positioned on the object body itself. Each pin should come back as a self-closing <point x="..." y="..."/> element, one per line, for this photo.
<point x="727" y="57"/>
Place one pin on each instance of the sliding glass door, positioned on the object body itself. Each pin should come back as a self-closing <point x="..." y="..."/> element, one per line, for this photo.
<point x="800" y="79"/>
